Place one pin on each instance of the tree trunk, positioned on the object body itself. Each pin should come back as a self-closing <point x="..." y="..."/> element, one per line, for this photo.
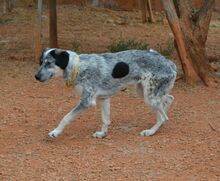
<point x="5" y="6"/>
<point x="143" y="5"/>
<point x="37" y="34"/>
<point x="143" y="11"/>
<point x="8" y="5"/>
<point x="197" y="53"/>
<point x="53" y="24"/>
<point x="190" y="32"/>
<point x="190" y="74"/>
<point x="149" y="8"/>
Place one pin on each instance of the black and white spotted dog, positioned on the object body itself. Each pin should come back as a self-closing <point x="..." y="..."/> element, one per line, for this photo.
<point x="100" y="76"/>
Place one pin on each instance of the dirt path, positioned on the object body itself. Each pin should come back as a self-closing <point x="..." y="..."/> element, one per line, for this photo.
<point x="186" y="148"/>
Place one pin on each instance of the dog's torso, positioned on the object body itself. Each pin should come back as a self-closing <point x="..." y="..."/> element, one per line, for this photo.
<point x="96" y="70"/>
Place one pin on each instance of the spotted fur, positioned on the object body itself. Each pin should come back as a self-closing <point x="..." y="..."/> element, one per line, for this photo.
<point x="100" y="76"/>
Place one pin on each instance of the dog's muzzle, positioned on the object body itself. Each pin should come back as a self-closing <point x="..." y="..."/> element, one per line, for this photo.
<point x="43" y="78"/>
<point x="37" y="77"/>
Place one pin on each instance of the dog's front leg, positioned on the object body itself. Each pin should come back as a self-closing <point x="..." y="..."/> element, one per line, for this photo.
<point x="67" y="119"/>
<point x="105" y="110"/>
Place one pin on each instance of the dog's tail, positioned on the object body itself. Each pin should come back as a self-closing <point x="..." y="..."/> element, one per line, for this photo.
<point x="139" y="89"/>
<point x="173" y="67"/>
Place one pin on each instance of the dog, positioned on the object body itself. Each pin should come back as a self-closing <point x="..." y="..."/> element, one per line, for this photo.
<point x="100" y="76"/>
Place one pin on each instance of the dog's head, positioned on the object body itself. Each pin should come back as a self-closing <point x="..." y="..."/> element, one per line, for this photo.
<point x="53" y="62"/>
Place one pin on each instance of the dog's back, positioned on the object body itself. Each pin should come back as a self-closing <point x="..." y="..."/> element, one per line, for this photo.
<point x="141" y="64"/>
<point x="150" y="61"/>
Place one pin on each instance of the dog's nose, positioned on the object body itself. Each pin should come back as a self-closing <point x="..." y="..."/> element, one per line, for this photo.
<point x="37" y="77"/>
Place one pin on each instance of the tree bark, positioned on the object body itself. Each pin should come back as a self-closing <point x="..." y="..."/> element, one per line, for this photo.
<point x="190" y="74"/>
<point x="37" y="34"/>
<point x="149" y="8"/>
<point x="5" y="6"/>
<point x="143" y="11"/>
<point x="53" y="24"/>
<point x="145" y="6"/>
<point x="190" y="32"/>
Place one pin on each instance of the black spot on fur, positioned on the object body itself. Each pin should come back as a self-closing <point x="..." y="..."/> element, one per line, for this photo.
<point x="120" y="70"/>
<point x="62" y="58"/>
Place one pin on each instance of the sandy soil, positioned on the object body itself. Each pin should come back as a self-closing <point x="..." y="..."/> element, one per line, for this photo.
<point x="187" y="147"/>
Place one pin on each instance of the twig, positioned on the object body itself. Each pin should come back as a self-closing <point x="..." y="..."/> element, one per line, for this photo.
<point x="39" y="97"/>
<point x="212" y="127"/>
<point x="178" y="78"/>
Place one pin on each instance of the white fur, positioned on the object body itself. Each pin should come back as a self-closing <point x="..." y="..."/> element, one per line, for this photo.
<point x="56" y="71"/>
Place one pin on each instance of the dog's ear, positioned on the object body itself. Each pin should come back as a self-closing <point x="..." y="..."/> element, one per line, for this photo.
<point x="61" y="57"/>
<point x="53" y="54"/>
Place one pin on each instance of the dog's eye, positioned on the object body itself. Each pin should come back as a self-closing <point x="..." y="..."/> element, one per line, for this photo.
<point x="49" y="64"/>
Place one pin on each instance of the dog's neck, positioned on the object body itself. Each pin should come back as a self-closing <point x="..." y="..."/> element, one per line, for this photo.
<point x="71" y="71"/>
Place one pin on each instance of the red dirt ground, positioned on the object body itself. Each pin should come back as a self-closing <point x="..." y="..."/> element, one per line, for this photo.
<point x="186" y="148"/>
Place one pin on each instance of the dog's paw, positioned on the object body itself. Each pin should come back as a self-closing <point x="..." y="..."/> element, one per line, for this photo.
<point x="147" y="132"/>
<point x="55" y="133"/>
<point x="99" y="134"/>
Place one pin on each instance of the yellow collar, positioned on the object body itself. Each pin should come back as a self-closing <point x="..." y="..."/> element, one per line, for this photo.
<point x="75" y="73"/>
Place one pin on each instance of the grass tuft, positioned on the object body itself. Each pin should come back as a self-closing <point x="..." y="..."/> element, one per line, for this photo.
<point x="124" y="44"/>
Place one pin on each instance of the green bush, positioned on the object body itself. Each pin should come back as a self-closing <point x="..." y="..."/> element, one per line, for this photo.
<point x="168" y="49"/>
<point x="75" y="45"/>
<point x="123" y="44"/>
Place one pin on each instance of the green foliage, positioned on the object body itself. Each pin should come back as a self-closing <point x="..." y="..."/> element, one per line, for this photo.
<point x="75" y="45"/>
<point x="168" y="49"/>
<point x="124" y="44"/>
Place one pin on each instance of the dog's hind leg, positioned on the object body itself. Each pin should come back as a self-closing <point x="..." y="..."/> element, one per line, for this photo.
<point x="167" y="102"/>
<point x="158" y="104"/>
<point x="105" y="110"/>
<point x="161" y="117"/>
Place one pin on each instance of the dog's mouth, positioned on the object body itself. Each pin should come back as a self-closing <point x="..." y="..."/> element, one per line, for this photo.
<point x="40" y="79"/>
